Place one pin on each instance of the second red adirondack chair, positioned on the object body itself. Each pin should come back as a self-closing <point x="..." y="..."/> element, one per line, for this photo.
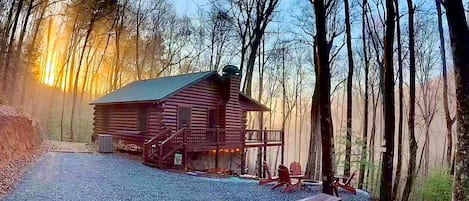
<point x="284" y="179"/>
<point x="269" y="178"/>
<point x="346" y="186"/>
<point x="295" y="168"/>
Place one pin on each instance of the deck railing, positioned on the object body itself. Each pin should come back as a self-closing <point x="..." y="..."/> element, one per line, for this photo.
<point x="263" y="136"/>
<point x="162" y="146"/>
<point x="212" y="136"/>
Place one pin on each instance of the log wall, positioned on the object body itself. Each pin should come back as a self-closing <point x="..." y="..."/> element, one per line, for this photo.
<point x="200" y="97"/>
<point x="124" y="117"/>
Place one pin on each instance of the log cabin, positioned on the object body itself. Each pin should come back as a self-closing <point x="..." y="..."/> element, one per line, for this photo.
<point x="199" y="118"/>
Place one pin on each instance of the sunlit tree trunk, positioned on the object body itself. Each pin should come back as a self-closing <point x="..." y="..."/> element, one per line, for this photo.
<point x="9" y="54"/>
<point x="138" y="69"/>
<point x="77" y="74"/>
<point x="18" y="52"/>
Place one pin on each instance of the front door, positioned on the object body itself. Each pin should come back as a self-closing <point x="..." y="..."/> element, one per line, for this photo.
<point x="184" y="117"/>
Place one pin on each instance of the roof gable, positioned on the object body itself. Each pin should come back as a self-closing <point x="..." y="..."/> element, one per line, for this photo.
<point x="152" y="89"/>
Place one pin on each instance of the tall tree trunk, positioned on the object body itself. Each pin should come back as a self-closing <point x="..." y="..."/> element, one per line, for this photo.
<point x="19" y="50"/>
<point x="348" y="142"/>
<point x="401" y="104"/>
<point x="250" y="65"/>
<point x="75" y="85"/>
<point x="459" y="35"/>
<point x="449" y="120"/>
<point x="361" y="176"/>
<point x="314" y="153"/>
<point x="6" y="67"/>
<point x="32" y="45"/>
<point x="137" y="47"/>
<point x="411" y="120"/>
<point x="324" y="78"/>
<point x="263" y="13"/>
<point x="371" y="153"/>
<point x="388" y="104"/>
<point x="261" y="114"/>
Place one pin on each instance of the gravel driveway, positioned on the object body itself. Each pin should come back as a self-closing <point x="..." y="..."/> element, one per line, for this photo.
<point x="78" y="176"/>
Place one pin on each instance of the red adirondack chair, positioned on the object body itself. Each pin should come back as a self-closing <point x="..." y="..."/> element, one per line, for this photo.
<point x="346" y="186"/>
<point x="269" y="178"/>
<point x="284" y="179"/>
<point x="295" y="168"/>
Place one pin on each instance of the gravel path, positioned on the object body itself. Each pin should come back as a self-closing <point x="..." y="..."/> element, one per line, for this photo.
<point x="78" y="176"/>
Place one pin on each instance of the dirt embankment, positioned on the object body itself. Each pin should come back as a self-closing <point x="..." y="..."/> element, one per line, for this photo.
<point x="20" y="143"/>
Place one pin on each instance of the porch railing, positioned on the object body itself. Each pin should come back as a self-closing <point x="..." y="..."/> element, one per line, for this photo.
<point x="162" y="146"/>
<point x="263" y="136"/>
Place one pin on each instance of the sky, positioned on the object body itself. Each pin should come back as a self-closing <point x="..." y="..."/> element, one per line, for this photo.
<point x="188" y="7"/>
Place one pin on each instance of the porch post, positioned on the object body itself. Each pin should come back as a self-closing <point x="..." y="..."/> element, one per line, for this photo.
<point x="260" y="136"/>
<point x="265" y="150"/>
<point x="218" y="148"/>
<point x="243" y="157"/>
<point x="184" y="152"/>
<point x="283" y="146"/>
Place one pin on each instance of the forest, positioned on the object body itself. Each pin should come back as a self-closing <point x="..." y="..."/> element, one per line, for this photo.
<point x="376" y="87"/>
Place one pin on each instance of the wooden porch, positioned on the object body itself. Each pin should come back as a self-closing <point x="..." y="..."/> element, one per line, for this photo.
<point x="159" y="149"/>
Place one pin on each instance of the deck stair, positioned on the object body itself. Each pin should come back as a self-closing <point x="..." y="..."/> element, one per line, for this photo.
<point x="159" y="151"/>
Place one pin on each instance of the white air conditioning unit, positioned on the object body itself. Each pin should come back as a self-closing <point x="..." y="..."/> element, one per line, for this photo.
<point x="105" y="143"/>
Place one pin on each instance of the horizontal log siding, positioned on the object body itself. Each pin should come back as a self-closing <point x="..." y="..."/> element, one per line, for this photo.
<point x="125" y="118"/>
<point x="199" y="117"/>
<point x="233" y="111"/>
<point x="200" y="97"/>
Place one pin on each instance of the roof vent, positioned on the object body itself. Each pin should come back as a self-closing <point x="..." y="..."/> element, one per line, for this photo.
<point x="229" y="70"/>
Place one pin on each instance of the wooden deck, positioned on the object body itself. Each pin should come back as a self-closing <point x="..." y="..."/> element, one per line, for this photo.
<point x="161" y="146"/>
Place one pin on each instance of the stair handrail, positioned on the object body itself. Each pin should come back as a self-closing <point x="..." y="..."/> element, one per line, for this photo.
<point x="182" y="130"/>
<point x="158" y="135"/>
<point x="148" y="144"/>
<point x="160" y="145"/>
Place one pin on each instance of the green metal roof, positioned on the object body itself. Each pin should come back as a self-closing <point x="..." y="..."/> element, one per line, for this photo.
<point x="152" y="89"/>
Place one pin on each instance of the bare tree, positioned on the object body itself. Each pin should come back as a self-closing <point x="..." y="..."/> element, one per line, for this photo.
<point x="9" y="54"/>
<point x="253" y="17"/>
<point x="428" y="88"/>
<point x="401" y="104"/>
<point x="459" y="36"/>
<point x="388" y="104"/>
<point x="348" y="142"/>
<point x="363" y="158"/>
<point x="449" y="121"/>
<point x="324" y="79"/>
<point x="411" y="169"/>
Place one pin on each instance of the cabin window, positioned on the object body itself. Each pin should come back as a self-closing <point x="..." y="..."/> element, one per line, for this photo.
<point x="142" y="119"/>
<point x="105" y="119"/>
<point x="184" y="117"/>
